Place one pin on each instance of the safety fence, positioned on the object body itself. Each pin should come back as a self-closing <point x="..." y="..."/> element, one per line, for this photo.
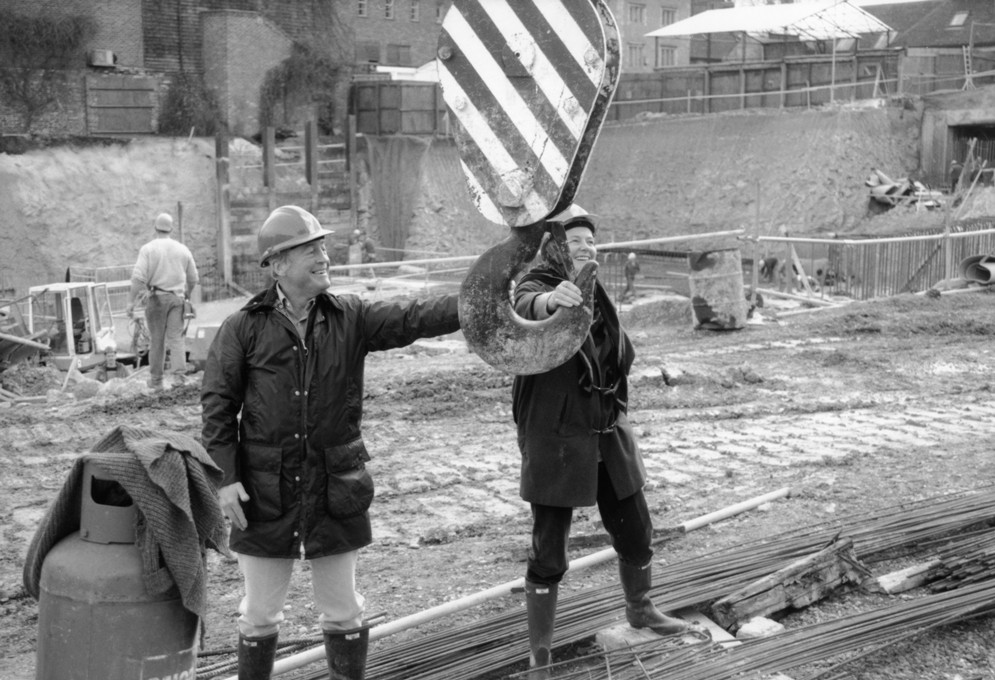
<point x="864" y="268"/>
<point x="858" y="267"/>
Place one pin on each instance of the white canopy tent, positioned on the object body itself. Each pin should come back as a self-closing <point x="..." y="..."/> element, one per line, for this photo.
<point x="821" y="20"/>
<point x="809" y="21"/>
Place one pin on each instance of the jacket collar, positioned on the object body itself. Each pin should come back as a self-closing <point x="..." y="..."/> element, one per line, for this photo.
<point x="270" y="299"/>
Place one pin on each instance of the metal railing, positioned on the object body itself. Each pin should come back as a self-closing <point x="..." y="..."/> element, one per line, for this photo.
<point x="867" y="268"/>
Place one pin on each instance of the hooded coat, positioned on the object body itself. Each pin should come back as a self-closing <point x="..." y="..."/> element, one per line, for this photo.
<point x="282" y="415"/>
<point x="573" y="416"/>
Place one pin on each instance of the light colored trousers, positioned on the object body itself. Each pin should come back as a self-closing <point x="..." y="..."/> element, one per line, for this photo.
<point x="164" y="317"/>
<point x="267" y="581"/>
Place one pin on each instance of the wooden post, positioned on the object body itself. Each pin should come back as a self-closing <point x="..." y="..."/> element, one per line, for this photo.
<point x="353" y="169"/>
<point x="797" y="585"/>
<point x="948" y="255"/>
<point x="742" y="87"/>
<point x="223" y="206"/>
<point x="707" y="104"/>
<point x="179" y="221"/>
<point x="269" y="165"/>
<point x="311" y="160"/>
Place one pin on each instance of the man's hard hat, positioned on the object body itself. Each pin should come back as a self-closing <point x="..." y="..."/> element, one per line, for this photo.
<point x="574" y="216"/>
<point x="632" y="256"/>
<point x="164" y="223"/>
<point x="287" y="227"/>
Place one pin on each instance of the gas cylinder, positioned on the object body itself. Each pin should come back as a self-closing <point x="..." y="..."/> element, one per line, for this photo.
<point x="96" y="619"/>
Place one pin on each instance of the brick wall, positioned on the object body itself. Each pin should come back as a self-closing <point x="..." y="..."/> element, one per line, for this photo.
<point x="172" y="35"/>
<point x="67" y="116"/>
<point x="421" y="36"/>
<point x="239" y="48"/>
<point x="118" y="22"/>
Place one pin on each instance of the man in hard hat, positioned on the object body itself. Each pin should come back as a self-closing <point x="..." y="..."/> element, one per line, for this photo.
<point x="282" y="409"/>
<point x="589" y="455"/>
<point x="166" y="272"/>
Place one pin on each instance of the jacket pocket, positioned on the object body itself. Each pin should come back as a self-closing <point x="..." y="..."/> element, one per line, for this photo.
<point x="262" y="481"/>
<point x="350" y="486"/>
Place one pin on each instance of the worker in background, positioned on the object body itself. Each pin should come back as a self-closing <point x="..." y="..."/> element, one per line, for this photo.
<point x="578" y="448"/>
<point x="631" y="269"/>
<point x="166" y="273"/>
<point x="956" y="169"/>
<point x="282" y="410"/>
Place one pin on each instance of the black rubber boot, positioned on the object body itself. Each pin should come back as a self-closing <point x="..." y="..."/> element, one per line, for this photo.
<point x="255" y="657"/>
<point x="346" y="653"/>
<point x="540" y="602"/>
<point x="640" y="611"/>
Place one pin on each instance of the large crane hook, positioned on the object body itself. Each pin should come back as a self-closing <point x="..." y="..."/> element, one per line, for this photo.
<point x="528" y="84"/>
<point x="500" y="336"/>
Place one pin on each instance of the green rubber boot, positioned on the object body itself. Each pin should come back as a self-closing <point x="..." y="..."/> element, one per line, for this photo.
<point x="255" y="657"/>
<point x="640" y="611"/>
<point x="540" y="602"/>
<point x="346" y="653"/>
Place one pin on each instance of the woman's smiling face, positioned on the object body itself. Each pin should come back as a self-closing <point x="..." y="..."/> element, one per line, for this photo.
<point x="580" y="244"/>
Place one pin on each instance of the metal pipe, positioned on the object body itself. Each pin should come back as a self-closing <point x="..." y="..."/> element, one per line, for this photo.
<point x="670" y="239"/>
<point x="398" y="263"/>
<point x="871" y="241"/>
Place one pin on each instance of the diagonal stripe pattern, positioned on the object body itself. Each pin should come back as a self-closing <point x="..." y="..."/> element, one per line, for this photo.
<point x="521" y="79"/>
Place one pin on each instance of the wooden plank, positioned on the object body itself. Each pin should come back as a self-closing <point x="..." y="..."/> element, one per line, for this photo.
<point x="797" y="585"/>
<point x="907" y="578"/>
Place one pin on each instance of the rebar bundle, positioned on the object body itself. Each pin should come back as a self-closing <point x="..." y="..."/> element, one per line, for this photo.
<point x="500" y="641"/>
<point x="966" y="559"/>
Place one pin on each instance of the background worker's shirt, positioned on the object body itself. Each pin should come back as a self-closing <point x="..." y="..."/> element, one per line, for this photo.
<point x="165" y="264"/>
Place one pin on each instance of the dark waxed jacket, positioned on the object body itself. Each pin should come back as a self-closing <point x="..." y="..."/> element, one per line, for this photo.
<point x="283" y="416"/>
<point x="575" y="412"/>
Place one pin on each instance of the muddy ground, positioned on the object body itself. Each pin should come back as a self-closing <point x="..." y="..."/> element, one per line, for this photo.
<point x="854" y="409"/>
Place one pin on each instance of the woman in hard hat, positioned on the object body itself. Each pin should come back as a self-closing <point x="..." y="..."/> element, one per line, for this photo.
<point x="577" y="446"/>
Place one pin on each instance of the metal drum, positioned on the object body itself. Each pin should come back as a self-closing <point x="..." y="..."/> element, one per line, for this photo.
<point x="717" y="296"/>
<point x="96" y="620"/>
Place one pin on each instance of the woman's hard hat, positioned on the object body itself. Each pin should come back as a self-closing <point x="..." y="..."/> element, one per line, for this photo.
<point x="574" y="216"/>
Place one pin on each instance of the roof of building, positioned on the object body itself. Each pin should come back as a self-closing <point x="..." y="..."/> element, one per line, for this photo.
<point x="952" y="23"/>
<point x="821" y="20"/>
<point x="902" y="16"/>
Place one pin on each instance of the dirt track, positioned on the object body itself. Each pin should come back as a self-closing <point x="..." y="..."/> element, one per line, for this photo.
<point x="853" y="409"/>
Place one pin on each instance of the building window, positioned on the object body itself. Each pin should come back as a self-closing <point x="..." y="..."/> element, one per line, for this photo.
<point x="637" y="13"/>
<point x="415" y="11"/>
<point x="668" y="15"/>
<point x="666" y="55"/>
<point x="367" y="51"/>
<point x="398" y="55"/>
<point x="958" y="19"/>
<point x="634" y="54"/>
<point x="388" y="9"/>
<point x="362" y="9"/>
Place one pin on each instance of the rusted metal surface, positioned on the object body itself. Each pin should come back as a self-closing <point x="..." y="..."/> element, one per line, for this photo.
<point x="528" y="85"/>
<point x="498" y="335"/>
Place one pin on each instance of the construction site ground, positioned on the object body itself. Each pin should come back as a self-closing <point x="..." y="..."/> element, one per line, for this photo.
<point x="854" y="409"/>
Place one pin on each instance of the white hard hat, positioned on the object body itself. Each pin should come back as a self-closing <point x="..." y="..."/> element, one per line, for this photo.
<point x="164" y="222"/>
<point x="573" y="216"/>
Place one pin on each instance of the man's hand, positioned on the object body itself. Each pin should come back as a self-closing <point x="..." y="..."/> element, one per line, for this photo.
<point x="131" y="311"/>
<point x="231" y="498"/>
<point x="564" y="295"/>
